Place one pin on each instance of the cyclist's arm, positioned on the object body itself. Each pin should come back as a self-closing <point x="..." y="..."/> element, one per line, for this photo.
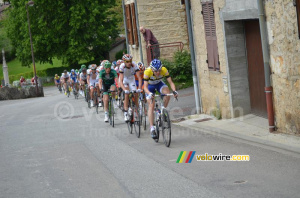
<point x="138" y="74"/>
<point x="146" y="87"/>
<point x="172" y="85"/>
<point x="100" y="83"/>
<point x="88" y="79"/>
<point x="121" y="81"/>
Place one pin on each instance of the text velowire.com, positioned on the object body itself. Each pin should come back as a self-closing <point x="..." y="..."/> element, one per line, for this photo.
<point x="221" y="157"/>
<point x="188" y="156"/>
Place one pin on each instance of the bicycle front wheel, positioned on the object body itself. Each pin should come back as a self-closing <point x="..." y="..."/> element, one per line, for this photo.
<point x="111" y="113"/>
<point x="136" y="123"/>
<point x="166" y="127"/>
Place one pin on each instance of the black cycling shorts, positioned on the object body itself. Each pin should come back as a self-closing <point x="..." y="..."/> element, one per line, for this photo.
<point x="106" y="88"/>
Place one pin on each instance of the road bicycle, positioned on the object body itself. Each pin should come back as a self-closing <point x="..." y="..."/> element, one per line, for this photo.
<point x="68" y="89"/>
<point x="133" y="114"/>
<point x="111" y="109"/>
<point x="121" y="97"/>
<point x="162" y="120"/>
<point x="59" y="87"/>
<point x="75" y="92"/>
<point x="143" y="110"/>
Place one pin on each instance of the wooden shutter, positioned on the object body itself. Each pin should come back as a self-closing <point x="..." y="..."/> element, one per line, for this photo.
<point x="298" y="15"/>
<point x="210" y="35"/>
<point x="134" y="26"/>
<point x="129" y="24"/>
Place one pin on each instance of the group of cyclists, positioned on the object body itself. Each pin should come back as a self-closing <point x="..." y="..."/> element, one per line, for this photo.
<point x="122" y="75"/>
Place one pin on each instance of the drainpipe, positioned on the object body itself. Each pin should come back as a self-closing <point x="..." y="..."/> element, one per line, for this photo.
<point x="138" y="29"/>
<point x="268" y="87"/>
<point x="125" y="25"/>
<point x="194" y="69"/>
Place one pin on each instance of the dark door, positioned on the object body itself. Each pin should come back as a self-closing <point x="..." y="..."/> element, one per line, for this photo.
<point x="256" y="74"/>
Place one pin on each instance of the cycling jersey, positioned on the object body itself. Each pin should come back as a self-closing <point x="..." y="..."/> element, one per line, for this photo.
<point x="73" y="77"/>
<point x="109" y="78"/>
<point x="63" y="75"/>
<point x="57" y="78"/>
<point x="82" y="76"/>
<point x="152" y="79"/>
<point x="128" y="72"/>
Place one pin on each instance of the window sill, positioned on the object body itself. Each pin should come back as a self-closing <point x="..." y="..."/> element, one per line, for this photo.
<point x="215" y="72"/>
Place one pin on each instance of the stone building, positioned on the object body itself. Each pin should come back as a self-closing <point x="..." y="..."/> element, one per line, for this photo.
<point x="165" y="18"/>
<point x="230" y="63"/>
<point x="229" y="55"/>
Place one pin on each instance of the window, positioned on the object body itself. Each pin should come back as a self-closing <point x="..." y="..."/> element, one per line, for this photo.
<point x="298" y="15"/>
<point x="210" y="36"/>
<point x="132" y="32"/>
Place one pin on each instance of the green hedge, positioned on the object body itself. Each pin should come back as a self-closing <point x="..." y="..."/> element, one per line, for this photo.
<point x="180" y="68"/>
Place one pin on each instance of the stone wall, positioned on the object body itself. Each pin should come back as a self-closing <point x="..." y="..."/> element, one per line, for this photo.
<point x="11" y="93"/>
<point x="167" y="20"/>
<point x="211" y="82"/>
<point x="285" y="63"/>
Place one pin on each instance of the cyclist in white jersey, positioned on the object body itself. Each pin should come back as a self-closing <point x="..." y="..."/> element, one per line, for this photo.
<point x="83" y="80"/>
<point x="93" y="81"/>
<point x="65" y="77"/>
<point x="127" y="81"/>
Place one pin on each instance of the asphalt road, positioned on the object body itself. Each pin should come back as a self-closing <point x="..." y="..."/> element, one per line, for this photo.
<point x="56" y="147"/>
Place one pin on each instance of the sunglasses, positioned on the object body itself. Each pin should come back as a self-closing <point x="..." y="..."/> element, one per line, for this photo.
<point x="93" y="69"/>
<point x="127" y="61"/>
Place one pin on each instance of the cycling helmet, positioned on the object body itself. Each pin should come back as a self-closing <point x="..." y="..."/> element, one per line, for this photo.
<point x="127" y="57"/>
<point x="56" y="75"/>
<point x="84" y="70"/>
<point x="72" y="70"/>
<point x="102" y="63"/>
<point x="141" y="66"/>
<point x="155" y="65"/>
<point x="65" y="71"/>
<point x="93" y="67"/>
<point x="76" y="70"/>
<point x="107" y="65"/>
<point x="114" y="63"/>
<point x="83" y="66"/>
<point x="119" y="62"/>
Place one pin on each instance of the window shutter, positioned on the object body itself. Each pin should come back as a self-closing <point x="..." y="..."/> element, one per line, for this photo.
<point x="129" y="25"/>
<point x="210" y="35"/>
<point x="298" y="15"/>
<point x="134" y="26"/>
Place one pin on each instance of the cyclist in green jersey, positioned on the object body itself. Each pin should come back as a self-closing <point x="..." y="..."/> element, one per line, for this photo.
<point x="107" y="79"/>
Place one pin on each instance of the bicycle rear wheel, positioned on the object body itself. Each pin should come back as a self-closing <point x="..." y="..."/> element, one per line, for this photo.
<point x="166" y="127"/>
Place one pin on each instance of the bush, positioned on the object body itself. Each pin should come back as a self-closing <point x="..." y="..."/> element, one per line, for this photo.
<point x="181" y="69"/>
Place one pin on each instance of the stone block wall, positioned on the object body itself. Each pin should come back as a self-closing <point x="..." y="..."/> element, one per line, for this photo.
<point x="166" y="19"/>
<point x="211" y="82"/>
<point x="285" y="63"/>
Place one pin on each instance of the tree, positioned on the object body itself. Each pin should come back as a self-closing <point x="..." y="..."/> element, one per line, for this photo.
<point x="71" y="30"/>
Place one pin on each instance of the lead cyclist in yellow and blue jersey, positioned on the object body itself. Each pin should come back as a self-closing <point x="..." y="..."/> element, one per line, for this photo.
<point x="153" y="77"/>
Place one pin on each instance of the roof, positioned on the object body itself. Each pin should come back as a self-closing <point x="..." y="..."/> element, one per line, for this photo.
<point x="118" y="41"/>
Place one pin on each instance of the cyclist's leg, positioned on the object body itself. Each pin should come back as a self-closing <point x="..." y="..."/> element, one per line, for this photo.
<point x="126" y="101"/>
<point x="151" y="105"/>
<point x="164" y="89"/>
<point x="105" y="97"/>
<point x="133" y="87"/>
<point x="113" y="88"/>
<point x="91" y="91"/>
